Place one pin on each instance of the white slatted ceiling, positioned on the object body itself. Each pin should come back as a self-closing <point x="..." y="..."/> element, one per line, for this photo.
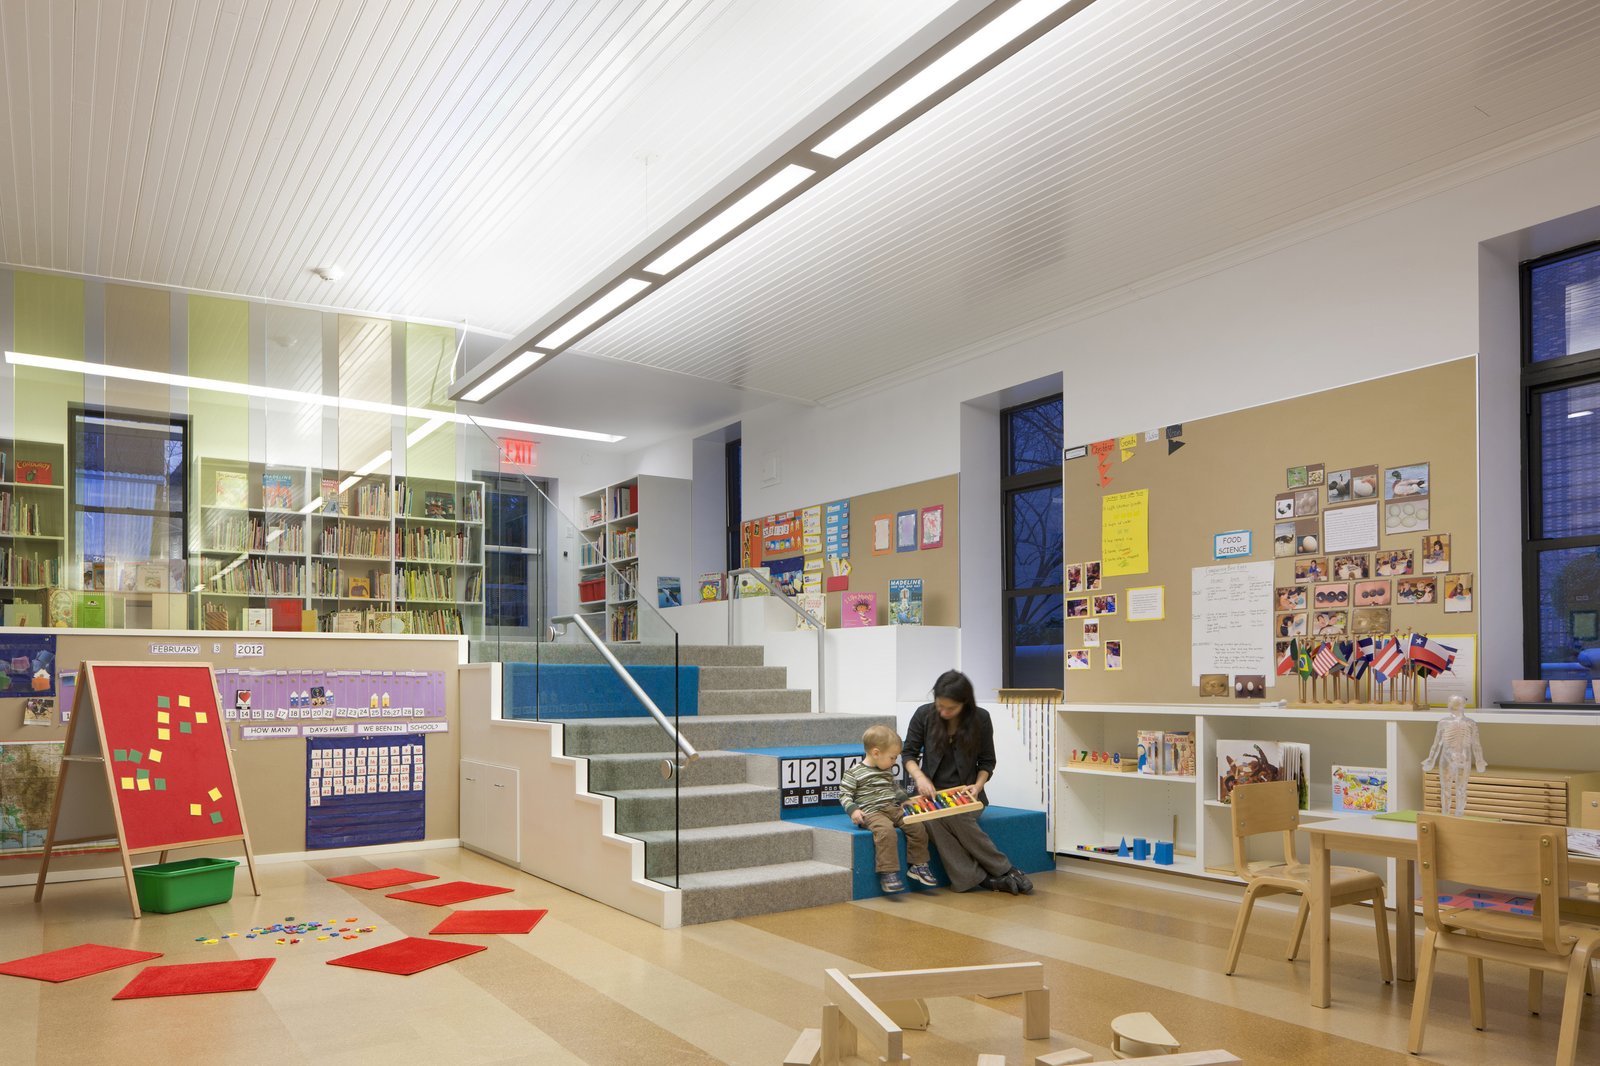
<point x="471" y="159"/>
<point x="1140" y="136"/>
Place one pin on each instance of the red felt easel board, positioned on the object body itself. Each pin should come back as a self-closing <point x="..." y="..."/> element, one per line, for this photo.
<point x="158" y="734"/>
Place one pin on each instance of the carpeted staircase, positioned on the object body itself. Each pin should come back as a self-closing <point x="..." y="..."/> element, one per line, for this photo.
<point x="733" y="855"/>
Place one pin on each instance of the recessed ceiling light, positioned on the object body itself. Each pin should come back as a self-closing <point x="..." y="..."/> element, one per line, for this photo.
<point x="328" y="273"/>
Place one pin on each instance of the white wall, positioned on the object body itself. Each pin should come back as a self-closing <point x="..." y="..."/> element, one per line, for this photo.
<point x="1393" y="291"/>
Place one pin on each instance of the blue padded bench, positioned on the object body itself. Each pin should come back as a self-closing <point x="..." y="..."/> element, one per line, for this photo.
<point x="1016" y="831"/>
<point x="592" y="690"/>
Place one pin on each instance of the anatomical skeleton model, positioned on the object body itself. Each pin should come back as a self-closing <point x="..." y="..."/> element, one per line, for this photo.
<point x="1455" y="754"/>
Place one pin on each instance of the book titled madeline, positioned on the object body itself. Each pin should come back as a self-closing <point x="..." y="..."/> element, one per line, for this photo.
<point x="905" y="601"/>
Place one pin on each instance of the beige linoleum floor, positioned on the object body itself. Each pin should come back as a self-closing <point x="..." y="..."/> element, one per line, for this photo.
<point x="591" y="985"/>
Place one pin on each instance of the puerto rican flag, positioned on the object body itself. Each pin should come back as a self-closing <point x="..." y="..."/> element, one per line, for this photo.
<point x="1388" y="661"/>
<point x="1324" y="661"/>
<point x="1362" y="659"/>
<point x="1291" y="652"/>
<point x="1431" y="655"/>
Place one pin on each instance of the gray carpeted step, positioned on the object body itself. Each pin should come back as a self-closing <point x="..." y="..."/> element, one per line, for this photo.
<point x="614" y="773"/>
<point x="722" y="894"/>
<point x="642" y="809"/>
<point x="713" y="678"/>
<point x="727" y="847"/>
<point x="595" y="736"/>
<point x="755" y="701"/>
<point x="650" y="653"/>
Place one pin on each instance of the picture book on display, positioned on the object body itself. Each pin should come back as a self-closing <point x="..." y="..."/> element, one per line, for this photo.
<point x="330" y="495"/>
<point x="33" y="473"/>
<point x="1360" y="789"/>
<point x="749" y="586"/>
<point x="277" y="492"/>
<point x="858" y="609"/>
<point x="232" y="491"/>
<point x="1246" y="762"/>
<point x="669" y="592"/>
<point x="712" y="586"/>
<point x="439" y="504"/>
<point x="905" y="601"/>
<point x="816" y="605"/>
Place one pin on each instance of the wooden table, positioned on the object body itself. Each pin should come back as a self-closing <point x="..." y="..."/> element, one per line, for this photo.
<point x="1366" y="835"/>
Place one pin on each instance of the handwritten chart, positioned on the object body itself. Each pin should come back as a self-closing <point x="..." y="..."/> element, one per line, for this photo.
<point x="1231" y="620"/>
<point x="1125" y="533"/>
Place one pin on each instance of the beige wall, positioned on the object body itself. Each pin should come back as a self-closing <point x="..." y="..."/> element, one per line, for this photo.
<point x="272" y="773"/>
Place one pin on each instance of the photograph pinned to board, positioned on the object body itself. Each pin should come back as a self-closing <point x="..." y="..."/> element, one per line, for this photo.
<point x="1331" y="596"/>
<point x="1310" y="570"/>
<point x="857" y="610"/>
<point x="1370" y="594"/>
<point x="1436" y="553"/>
<point x="1411" y="591"/>
<point x="1077" y="658"/>
<point x="1091" y="575"/>
<point x="1283" y="506"/>
<point x="1250" y="686"/>
<point x="1330" y="623"/>
<point x="1348" y="529"/>
<point x="39" y="710"/>
<point x="882" y="534"/>
<point x="1282" y="539"/>
<point x="1213" y="685"/>
<point x="1291" y="624"/>
<point x="1307" y="536"/>
<point x="905" y="531"/>
<point x="1291" y="597"/>
<point x="1074" y="577"/>
<point x="1294" y="477"/>
<point x="932" y="522"/>
<point x="1392" y="562"/>
<point x="1307" y="502"/>
<point x="1113" y="655"/>
<point x="1147" y="603"/>
<point x="1350" y="567"/>
<point x="1353" y="485"/>
<point x="1405" y="497"/>
<point x="1314" y="475"/>
<point x="1091" y="633"/>
<point x="1369" y="621"/>
<point x="1457" y="593"/>
<point x="1078" y="607"/>
<point x="1405" y="516"/>
<point x="1105" y="604"/>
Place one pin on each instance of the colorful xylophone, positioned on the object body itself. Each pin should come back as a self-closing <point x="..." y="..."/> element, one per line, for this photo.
<point x="943" y="805"/>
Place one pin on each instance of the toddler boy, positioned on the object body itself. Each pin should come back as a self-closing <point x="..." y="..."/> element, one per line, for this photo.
<point x="871" y="797"/>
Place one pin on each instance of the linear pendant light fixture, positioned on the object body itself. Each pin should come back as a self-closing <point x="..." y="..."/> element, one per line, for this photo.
<point x="269" y="392"/>
<point x="966" y="54"/>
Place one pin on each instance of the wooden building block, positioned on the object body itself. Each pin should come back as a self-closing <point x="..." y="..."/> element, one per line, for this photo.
<point x="1036" y="1014"/>
<point x="991" y="1060"/>
<point x="907" y="1013"/>
<point x="1216" y="1057"/>
<point x="1069" y="1057"/>
<point x="807" y="1050"/>
<point x="1139" y="1034"/>
<point x="862" y="1015"/>
<point x="1004" y="979"/>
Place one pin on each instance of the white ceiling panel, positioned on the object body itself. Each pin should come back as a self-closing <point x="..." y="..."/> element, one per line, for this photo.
<point x="470" y="160"/>
<point x="1139" y="136"/>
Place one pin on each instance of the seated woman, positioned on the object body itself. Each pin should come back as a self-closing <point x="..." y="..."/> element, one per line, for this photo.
<point x="950" y="744"/>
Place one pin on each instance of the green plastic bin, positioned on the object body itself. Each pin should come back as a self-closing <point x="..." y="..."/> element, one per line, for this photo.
<point x="183" y="886"/>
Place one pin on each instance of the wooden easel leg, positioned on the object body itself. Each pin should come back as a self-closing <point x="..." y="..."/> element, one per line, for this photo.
<point x="127" y="873"/>
<point x="250" y="863"/>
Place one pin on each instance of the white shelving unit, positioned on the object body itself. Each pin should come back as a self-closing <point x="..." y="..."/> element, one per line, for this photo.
<point x="33" y="523"/>
<point x="632" y="532"/>
<point x="1095" y="807"/>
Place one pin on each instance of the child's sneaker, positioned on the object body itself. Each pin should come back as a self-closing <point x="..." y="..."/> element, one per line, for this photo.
<point x="922" y="875"/>
<point x="891" y="882"/>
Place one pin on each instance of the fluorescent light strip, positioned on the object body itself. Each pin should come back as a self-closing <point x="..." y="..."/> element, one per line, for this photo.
<point x="729" y="218"/>
<point x="373" y="464"/>
<point x="185" y="381"/>
<point x="416" y="436"/>
<point x="614" y="297"/>
<point x="502" y="377"/>
<point x="1581" y="414"/>
<point x="989" y="38"/>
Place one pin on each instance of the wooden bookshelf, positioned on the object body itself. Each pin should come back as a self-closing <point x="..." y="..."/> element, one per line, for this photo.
<point x="632" y="532"/>
<point x="33" y="525"/>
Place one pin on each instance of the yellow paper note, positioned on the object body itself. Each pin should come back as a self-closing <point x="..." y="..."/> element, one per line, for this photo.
<point x="144" y="784"/>
<point x="183" y="701"/>
<point x="127" y="782"/>
<point x="215" y="794"/>
<point x="163" y="717"/>
<point x="194" y="809"/>
<point x="1128" y="444"/>
<point x="1125" y="533"/>
<point x="163" y="734"/>
<point x="200" y="717"/>
<point x="155" y="754"/>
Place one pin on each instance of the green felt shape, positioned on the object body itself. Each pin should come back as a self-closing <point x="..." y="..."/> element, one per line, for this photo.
<point x="142" y="774"/>
<point x="121" y="755"/>
<point x="216" y="817"/>
<point x="161" y="784"/>
<point x="185" y="727"/>
<point x="163" y="701"/>
<point x="135" y="755"/>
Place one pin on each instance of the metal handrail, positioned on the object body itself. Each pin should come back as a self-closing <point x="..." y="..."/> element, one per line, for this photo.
<point x="689" y="753"/>
<point x="816" y="623"/>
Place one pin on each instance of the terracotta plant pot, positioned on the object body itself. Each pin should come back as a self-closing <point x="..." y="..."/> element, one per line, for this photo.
<point x="1527" y="691"/>
<point x="1567" y="691"/>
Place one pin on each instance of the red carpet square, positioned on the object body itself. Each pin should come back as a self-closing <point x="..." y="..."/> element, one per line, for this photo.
<point x="448" y="893"/>
<point x="411" y="955"/>
<point x="489" y="922"/>
<point x="383" y="878"/>
<point x="69" y="964"/>
<point x="196" y="978"/>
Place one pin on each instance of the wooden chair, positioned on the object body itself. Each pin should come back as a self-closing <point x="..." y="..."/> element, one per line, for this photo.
<point x="1274" y="807"/>
<point x="1529" y="860"/>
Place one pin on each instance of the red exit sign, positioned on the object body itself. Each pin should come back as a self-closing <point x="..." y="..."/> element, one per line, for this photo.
<point x="519" y="452"/>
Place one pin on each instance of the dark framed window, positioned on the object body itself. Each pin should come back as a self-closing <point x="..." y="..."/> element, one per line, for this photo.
<point x="127" y="498"/>
<point x="1561" y="463"/>
<point x="513" y="554"/>
<point x="734" y="454"/>
<point x="1030" y="496"/>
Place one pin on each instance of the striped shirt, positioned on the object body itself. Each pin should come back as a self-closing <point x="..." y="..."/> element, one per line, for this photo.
<point x="866" y="788"/>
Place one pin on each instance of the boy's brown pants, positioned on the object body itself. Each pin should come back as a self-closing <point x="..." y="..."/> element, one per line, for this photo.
<point x="883" y="824"/>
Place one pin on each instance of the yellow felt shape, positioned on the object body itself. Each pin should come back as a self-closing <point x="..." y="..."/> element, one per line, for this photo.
<point x="194" y="809"/>
<point x="200" y="717"/>
<point x="183" y="701"/>
<point x="163" y="717"/>
<point x="144" y="784"/>
<point x="127" y="782"/>
<point x="163" y="734"/>
<point x="215" y="794"/>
